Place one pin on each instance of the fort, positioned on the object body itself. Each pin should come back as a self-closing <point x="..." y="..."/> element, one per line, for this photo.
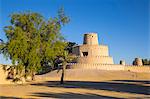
<point x="91" y="52"/>
<point x="91" y="55"/>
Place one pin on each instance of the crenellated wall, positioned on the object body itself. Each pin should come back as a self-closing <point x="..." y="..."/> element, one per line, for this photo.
<point x="130" y="68"/>
<point x="97" y="66"/>
<point x="137" y="68"/>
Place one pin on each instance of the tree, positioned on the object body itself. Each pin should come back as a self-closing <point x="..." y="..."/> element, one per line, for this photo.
<point x="70" y="47"/>
<point x="146" y="61"/>
<point x="33" y="41"/>
<point x="65" y="58"/>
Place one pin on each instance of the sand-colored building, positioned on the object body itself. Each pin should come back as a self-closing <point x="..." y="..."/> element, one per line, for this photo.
<point x="92" y="55"/>
<point x="92" y="52"/>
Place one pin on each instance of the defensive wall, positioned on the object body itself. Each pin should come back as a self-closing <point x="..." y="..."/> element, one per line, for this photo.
<point x="137" y="68"/>
<point x="131" y="68"/>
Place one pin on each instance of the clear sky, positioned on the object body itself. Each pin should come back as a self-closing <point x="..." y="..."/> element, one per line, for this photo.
<point x="121" y="24"/>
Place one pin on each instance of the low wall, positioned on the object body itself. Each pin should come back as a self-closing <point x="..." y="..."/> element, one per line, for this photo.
<point x="3" y="75"/>
<point x="111" y="67"/>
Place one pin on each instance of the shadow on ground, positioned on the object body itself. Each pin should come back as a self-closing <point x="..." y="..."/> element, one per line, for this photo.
<point x="135" y="81"/>
<point x="10" y="97"/>
<point x="69" y="95"/>
<point x="116" y="85"/>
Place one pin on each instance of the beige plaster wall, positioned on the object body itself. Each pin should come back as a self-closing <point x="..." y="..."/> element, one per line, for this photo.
<point x="97" y="66"/>
<point x="138" y="68"/>
<point x="130" y="68"/>
<point x="94" y="50"/>
<point x="95" y="59"/>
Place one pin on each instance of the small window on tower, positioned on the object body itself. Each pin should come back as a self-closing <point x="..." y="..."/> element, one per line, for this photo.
<point x="85" y="53"/>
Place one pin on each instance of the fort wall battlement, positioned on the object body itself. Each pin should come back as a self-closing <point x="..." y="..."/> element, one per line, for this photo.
<point x="111" y="67"/>
<point x="140" y="68"/>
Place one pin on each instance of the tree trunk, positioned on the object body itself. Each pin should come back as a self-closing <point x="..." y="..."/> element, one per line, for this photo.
<point x="63" y="74"/>
<point x="33" y="76"/>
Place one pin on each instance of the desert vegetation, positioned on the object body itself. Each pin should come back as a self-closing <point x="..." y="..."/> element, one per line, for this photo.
<point x="35" y="43"/>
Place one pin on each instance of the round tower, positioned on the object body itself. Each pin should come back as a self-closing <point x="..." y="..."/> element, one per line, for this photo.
<point x="90" y="39"/>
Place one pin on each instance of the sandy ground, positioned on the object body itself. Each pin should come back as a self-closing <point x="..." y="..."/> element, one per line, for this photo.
<point x="83" y="84"/>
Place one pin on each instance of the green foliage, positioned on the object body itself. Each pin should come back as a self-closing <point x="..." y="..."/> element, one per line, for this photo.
<point x="70" y="46"/>
<point x="33" y="42"/>
<point x="146" y="61"/>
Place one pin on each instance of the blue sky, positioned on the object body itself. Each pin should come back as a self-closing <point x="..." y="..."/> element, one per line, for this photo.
<point x="121" y="24"/>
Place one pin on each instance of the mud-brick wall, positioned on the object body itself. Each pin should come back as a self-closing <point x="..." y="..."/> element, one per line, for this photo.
<point x="138" y="68"/>
<point x="130" y="68"/>
<point x="97" y="66"/>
